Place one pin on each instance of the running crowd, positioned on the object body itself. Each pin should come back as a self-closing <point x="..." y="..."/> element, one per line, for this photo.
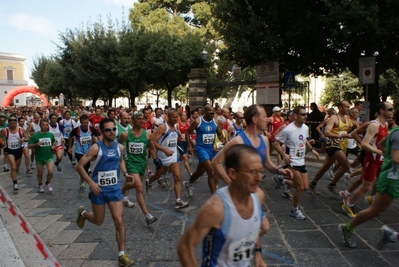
<point x="232" y="147"/>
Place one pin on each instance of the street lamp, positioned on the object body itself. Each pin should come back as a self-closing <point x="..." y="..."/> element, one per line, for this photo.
<point x="204" y="56"/>
<point x="341" y="79"/>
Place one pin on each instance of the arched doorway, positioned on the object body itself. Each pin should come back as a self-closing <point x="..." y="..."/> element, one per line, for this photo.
<point x="22" y="89"/>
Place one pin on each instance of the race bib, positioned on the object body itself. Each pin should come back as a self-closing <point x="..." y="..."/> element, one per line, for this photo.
<point x="172" y="144"/>
<point x="342" y="132"/>
<point x="107" y="178"/>
<point x="136" y="148"/>
<point x="45" y="141"/>
<point x="85" y="140"/>
<point x="208" y="139"/>
<point x="15" y="145"/>
<point x="392" y="174"/>
<point x="68" y="129"/>
<point x="242" y="250"/>
<point x="299" y="151"/>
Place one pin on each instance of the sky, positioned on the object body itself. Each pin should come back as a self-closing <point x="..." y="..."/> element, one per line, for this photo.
<point x="31" y="27"/>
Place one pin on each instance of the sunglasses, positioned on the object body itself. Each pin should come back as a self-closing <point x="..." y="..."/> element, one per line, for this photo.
<point x="303" y="114"/>
<point x="108" y="130"/>
<point x="12" y="120"/>
<point x="212" y="113"/>
<point x="389" y="109"/>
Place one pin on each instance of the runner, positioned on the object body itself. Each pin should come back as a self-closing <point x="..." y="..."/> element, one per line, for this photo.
<point x="66" y="126"/>
<point x="14" y="137"/>
<point x="387" y="191"/>
<point x="182" y="142"/>
<point x="238" y="123"/>
<point x="373" y="159"/>
<point x="136" y="143"/>
<point x="54" y="128"/>
<point x="34" y="127"/>
<point x="294" y="137"/>
<point x="105" y="184"/>
<point x="275" y="123"/>
<point x="256" y="120"/>
<point x="44" y="144"/>
<point x="337" y="132"/>
<point x="3" y="125"/>
<point x="205" y="128"/>
<point x="164" y="153"/>
<point x="231" y="222"/>
<point x="84" y="136"/>
<point x="25" y="150"/>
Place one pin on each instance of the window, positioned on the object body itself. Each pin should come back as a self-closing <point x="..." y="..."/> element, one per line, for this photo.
<point x="17" y="101"/>
<point x="10" y="75"/>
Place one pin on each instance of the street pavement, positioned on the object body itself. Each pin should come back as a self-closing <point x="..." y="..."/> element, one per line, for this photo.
<point x="315" y="241"/>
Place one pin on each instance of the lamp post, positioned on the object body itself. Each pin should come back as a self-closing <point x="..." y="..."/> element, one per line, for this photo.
<point x="341" y="79"/>
<point x="204" y="56"/>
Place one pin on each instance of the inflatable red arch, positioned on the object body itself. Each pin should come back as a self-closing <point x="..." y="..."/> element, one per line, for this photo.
<point x="22" y="89"/>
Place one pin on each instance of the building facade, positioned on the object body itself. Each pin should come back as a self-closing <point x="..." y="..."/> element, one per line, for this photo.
<point x="12" y="74"/>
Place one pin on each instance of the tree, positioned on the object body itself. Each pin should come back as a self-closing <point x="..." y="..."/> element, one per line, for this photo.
<point x="49" y="75"/>
<point x="349" y="87"/>
<point x="311" y="38"/>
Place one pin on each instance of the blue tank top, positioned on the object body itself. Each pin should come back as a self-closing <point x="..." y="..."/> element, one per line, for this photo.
<point x="228" y="246"/>
<point x="83" y="141"/>
<point x="106" y="167"/>
<point x="261" y="148"/>
<point x="205" y="135"/>
<point x="237" y="130"/>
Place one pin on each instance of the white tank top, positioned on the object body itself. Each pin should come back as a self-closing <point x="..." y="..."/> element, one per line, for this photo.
<point x="169" y="141"/>
<point x="232" y="245"/>
<point x="57" y="134"/>
<point x="13" y="139"/>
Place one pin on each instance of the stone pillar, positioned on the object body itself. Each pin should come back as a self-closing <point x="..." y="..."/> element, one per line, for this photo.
<point x="197" y="88"/>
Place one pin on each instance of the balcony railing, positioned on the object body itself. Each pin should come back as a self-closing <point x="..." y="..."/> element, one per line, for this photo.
<point x="13" y="82"/>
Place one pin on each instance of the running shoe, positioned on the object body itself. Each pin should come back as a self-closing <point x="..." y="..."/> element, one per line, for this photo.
<point x="167" y="182"/>
<point x="297" y="214"/>
<point x="16" y="187"/>
<point x="59" y="168"/>
<point x="49" y="187"/>
<point x="6" y="169"/>
<point x="149" y="219"/>
<point x="331" y="173"/>
<point x="181" y="204"/>
<point x="125" y="261"/>
<point x="278" y="179"/>
<point x="385" y="234"/>
<point x="29" y="171"/>
<point x="312" y="189"/>
<point x="287" y="195"/>
<point x="161" y="183"/>
<point x="347" y="179"/>
<point x="41" y="190"/>
<point x="332" y="189"/>
<point x="347" y="236"/>
<point x="368" y="199"/>
<point x="32" y="165"/>
<point x="189" y="188"/>
<point x="350" y="211"/>
<point x="80" y="221"/>
<point x="82" y="188"/>
<point x="345" y="198"/>
<point x="127" y="202"/>
<point x="148" y="188"/>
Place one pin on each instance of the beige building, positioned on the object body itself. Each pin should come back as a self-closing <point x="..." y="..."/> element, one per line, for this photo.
<point x="12" y="74"/>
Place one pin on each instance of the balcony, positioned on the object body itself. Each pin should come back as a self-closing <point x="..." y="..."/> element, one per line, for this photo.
<point x="13" y="82"/>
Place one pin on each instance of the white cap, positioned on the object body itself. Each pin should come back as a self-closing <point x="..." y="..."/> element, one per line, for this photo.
<point x="276" y="108"/>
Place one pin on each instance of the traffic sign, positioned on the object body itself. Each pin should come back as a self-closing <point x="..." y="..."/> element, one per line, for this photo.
<point x="366" y="70"/>
<point x="289" y="79"/>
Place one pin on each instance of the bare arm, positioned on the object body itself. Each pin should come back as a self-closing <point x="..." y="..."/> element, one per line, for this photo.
<point x="189" y="131"/>
<point x="92" y="152"/>
<point x="210" y="216"/>
<point x="218" y="160"/>
<point x="156" y="135"/>
<point x="372" y="130"/>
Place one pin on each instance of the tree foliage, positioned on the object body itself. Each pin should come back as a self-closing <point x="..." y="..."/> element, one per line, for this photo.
<point x="311" y="37"/>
